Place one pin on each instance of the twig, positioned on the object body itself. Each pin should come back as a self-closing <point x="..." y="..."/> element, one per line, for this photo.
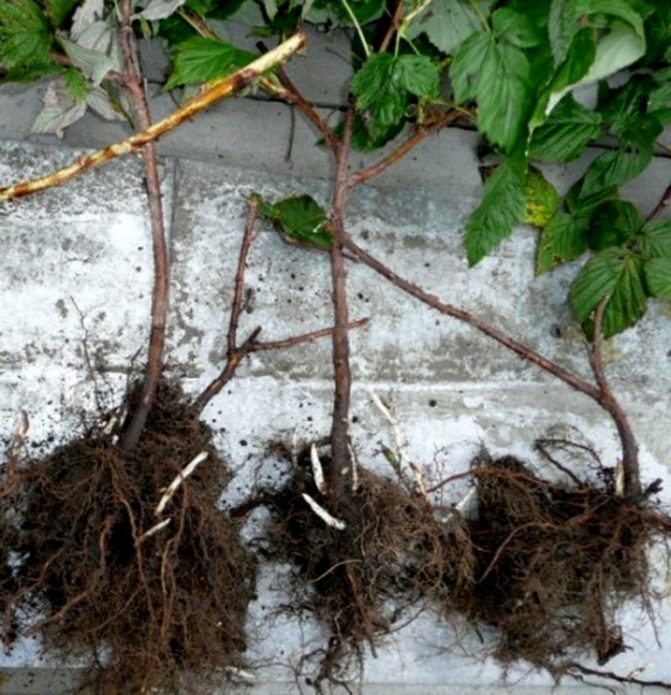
<point x="217" y="90"/>
<point x="235" y="353"/>
<point x="293" y="96"/>
<point x="661" y="205"/>
<point x="304" y="337"/>
<point x="342" y="464"/>
<point x="325" y="516"/>
<point x="630" y="469"/>
<point x="393" y="27"/>
<point x="178" y="480"/>
<point x="159" y="309"/>
<point x="574" y="380"/>
<point x="610" y="675"/>
<point x="403" y="149"/>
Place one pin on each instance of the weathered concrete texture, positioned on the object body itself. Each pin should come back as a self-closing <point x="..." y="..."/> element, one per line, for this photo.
<point x="75" y="272"/>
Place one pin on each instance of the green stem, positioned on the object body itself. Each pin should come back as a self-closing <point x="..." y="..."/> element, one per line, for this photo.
<point x="358" y="28"/>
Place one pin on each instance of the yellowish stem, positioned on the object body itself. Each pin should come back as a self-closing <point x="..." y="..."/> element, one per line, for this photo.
<point x="220" y="89"/>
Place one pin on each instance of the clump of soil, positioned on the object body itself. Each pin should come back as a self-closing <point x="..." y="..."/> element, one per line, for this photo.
<point x="554" y="561"/>
<point x="146" y="607"/>
<point x="361" y="579"/>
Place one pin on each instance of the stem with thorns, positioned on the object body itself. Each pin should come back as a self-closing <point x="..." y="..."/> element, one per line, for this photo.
<point x="235" y="353"/>
<point x="341" y="468"/>
<point x="135" y="85"/>
<point x="217" y="90"/>
<point x="403" y="149"/>
<point x="601" y="393"/>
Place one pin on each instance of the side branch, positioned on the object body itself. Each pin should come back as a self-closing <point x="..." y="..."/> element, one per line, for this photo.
<point x="235" y="353"/>
<point x="573" y="380"/>
<point x="217" y="90"/>
<point x="403" y="149"/>
<point x="292" y="96"/>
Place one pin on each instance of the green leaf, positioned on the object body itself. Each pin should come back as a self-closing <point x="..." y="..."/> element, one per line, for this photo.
<point x="448" y="23"/>
<point x="615" y="275"/>
<point x="655" y="239"/>
<point x="541" y="199"/>
<point x="658" y="277"/>
<point x="199" y="60"/>
<point x="612" y="223"/>
<point x="25" y="40"/>
<point x="515" y="28"/>
<point x="94" y="64"/>
<point x="75" y="83"/>
<point x="159" y="9"/>
<point x="376" y="88"/>
<point x="561" y="241"/>
<point x="418" y="75"/>
<point x="562" y="27"/>
<point x="501" y="208"/>
<point x="301" y="219"/>
<point x="58" y="10"/>
<point x="614" y="169"/>
<point x="384" y="84"/>
<point x="365" y="11"/>
<point x="496" y="75"/>
<point x="568" y="16"/>
<point x="566" y="133"/>
<point x="578" y="61"/>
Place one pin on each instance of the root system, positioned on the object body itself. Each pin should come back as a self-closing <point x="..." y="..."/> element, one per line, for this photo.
<point x="360" y="580"/>
<point x="554" y="561"/>
<point x="147" y="596"/>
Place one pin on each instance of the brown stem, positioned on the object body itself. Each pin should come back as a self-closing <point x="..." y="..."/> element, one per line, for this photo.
<point x="630" y="463"/>
<point x="293" y="96"/>
<point x="393" y="27"/>
<point x="662" y="204"/>
<point x="218" y="90"/>
<point x="236" y="353"/>
<point x="375" y="169"/>
<point x="341" y="470"/>
<point x="135" y="85"/>
<point x="431" y="300"/>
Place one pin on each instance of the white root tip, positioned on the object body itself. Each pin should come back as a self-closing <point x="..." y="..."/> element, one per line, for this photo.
<point x="20" y="436"/>
<point x="619" y="479"/>
<point x="355" y="470"/>
<point x="178" y="480"/>
<point x="327" y="518"/>
<point x="317" y="470"/>
<point x="153" y="530"/>
<point x="239" y="673"/>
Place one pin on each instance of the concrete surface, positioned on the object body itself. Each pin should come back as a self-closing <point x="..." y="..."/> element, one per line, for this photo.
<point x="75" y="278"/>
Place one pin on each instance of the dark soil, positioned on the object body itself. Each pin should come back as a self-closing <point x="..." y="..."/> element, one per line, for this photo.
<point x="554" y="561"/>
<point x="145" y="609"/>
<point x="361" y="580"/>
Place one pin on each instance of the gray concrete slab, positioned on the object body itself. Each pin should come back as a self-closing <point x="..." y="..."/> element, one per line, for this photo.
<point x="451" y="389"/>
